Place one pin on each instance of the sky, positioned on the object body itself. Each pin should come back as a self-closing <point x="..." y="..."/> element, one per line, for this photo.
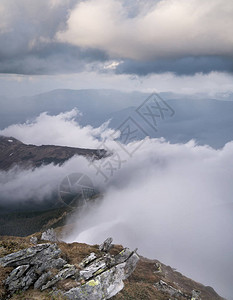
<point x="167" y="45"/>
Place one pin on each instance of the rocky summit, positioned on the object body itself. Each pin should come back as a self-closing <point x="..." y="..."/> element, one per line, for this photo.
<point x="32" y="268"/>
<point x="41" y="267"/>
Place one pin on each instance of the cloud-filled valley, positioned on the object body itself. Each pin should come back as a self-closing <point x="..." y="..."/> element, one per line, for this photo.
<point x="172" y="201"/>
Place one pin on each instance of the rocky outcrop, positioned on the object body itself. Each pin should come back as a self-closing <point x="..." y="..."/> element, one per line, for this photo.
<point x="96" y="276"/>
<point x="34" y="240"/>
<point x="168" y="289"/>
<point x="49" y="235"/>
<point x="104" y="276"/>
<point x="30" y="265"/>
<point x="106" y="245"/>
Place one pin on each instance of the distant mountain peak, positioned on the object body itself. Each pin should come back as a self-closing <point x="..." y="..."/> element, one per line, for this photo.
<point x="14" y="152"/>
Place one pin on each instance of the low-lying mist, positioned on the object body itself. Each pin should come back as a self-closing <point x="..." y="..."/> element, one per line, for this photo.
<point x="171" y="201"/>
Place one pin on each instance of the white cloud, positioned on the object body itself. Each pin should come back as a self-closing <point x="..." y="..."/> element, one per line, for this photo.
<point x="18" y="185"/>
<point x="173" y="202"/>
<point x="170" y="28"/>
<point x="112" y="65"/>
<point x="60" y="130"/>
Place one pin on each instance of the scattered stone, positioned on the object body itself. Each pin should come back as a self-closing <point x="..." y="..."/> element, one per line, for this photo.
<point x="49" y="235"/>
<point x="42" y="280"/>
<point x="22" y="257"/>
<point x="87" y="260"/>
<point x="106" y="245"/>
<point x="103" y="286"/>
<point x="158" y="268"/>
<point x="164" y="287"/>
<point x="99" y="265"/>
<point x="32" y="265"/>
<point x="196" y="295"/>
<point x="130" y="264"/>
<point x="63" y="274"/>
<point x="123" y="256"/>
<point x="34" y="240"/>
<point x="58" y="263"/>
<point x="103" y="277"/>
<point x="13" y="281"/>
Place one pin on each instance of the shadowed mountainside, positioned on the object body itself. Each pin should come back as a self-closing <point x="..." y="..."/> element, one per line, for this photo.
<point x="13" y="152"/>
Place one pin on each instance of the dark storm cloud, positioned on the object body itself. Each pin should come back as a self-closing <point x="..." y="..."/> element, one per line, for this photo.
<point x="181" y="66"/>
<point x="52" y="58"/>
<point x="27" y="39"/>
<point x="66" y="36"/>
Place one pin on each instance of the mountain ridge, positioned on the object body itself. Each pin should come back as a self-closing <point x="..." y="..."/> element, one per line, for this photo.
<point x="13" y="152"/>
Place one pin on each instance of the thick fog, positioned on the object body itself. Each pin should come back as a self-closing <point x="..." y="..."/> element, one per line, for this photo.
<point x="171" y="201"/>
<point x="39" y="184"/>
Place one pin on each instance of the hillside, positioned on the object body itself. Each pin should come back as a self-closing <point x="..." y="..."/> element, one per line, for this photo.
<point x="150" y="280"/>
<point x="22" y="218"/>
<point x="13" y="152"/>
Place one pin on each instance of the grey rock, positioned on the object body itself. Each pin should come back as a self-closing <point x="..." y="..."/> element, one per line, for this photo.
<point x="196" y="295"/>
<point x="131" y="264"/>
<point x="42" y="280"/>
<point x="49" y="235"/>
<point x="18" y="280"/>
<point x="110" y="261"/>
<point x="46" y="258"/>
<point x="13" y="281"/>
<point x="158" y="268"/>
<point x="58" y="263"/>
<point x="32" y="263"/>
<point x="22" y="257"/>
<point x="99" y="265"/>
<point x="63" y="274"/>
<point x="29" y="278"/>
<point x="106" y="245"/>
<point x="103" y="281"/>
<point x="67" y="266"/>
<point x="103" y="286"/>
<point x="164" y="287"/>
<point x="16" y="273"/>
<point x="33" y="240"/>
<point x="88" y="260"/>
<point x="123" y="256"/>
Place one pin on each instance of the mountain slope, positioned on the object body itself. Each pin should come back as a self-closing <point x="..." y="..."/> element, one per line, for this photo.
<point x="150" y="280"/>
<point x="14" y="152"/>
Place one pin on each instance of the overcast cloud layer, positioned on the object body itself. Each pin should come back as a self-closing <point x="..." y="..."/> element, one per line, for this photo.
<point x="133" y="37"/>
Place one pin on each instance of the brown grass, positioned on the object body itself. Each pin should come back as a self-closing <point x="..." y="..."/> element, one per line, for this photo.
<point x="139" y="291"/>
<point x="12" y="244"/>
<point x="36" y="295"/>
